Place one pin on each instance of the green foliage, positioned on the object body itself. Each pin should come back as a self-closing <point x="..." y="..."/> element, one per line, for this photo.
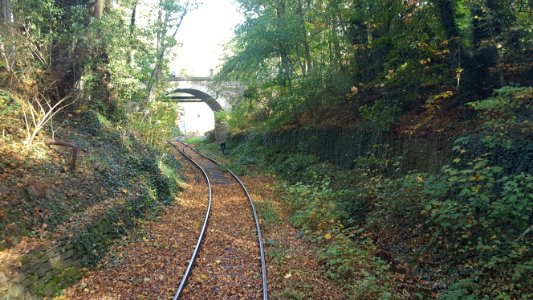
<point x="469" y="224"/>
<point x="194" y="140"/>
<point x="506" y="116"/>
<point x="312" y="205"/>
<point x="379" y="113"/>
<point x="348" y="255"/>
<point x="156" y="125"/>
<point x="378" y="161"/>
<point x="296" y="165"/>
<point x="267" y="212"/>
<point x="299" y="59"/>
<point x="157" y="177"/>
<point x="104" y="65"/>
<point x="167" y="179"/>
<point x="478" y="201"/>
<point x="8" y="110"/>
<point x="473" y="213"/>
<point x="474" y="207"/>
<point x="461" y="289"/>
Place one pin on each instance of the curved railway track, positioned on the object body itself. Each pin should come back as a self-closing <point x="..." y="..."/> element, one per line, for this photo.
<point x="211" y="170"/>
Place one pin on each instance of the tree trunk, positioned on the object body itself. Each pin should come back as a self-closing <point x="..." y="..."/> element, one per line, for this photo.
<point x="301" y="13"/>
<point x="336" y="43"/>
<point x="162" y="47"/>
<point x="69" y="57"/>
<point x="6" y="18"/>
<point x="97" y="9"/>
<point x="284" y="68"/>
<point x="132" y="32"/>
<point x="6" y="13"/>
<point x="447" y="18"/>
<point x="497" y="27"/>
<point x="487" y="56"/>
<point x="160" y="52"/>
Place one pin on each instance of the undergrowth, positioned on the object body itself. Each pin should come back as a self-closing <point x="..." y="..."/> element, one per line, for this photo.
<point x="463" y="232"/>
<point x="109" y="170"/>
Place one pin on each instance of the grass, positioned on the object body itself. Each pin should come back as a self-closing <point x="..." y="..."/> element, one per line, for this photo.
<point x="277" y="252"/>
<point x="267" y="212"/>
<point x="194" y="139"/>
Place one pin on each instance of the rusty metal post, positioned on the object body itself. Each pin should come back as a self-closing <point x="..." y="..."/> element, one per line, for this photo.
<point x="75" y="150"/>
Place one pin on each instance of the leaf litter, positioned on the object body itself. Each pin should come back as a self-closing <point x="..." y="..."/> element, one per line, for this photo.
<point x="149" y="263"/>
<point x="228" y="264"/>
<point x="294" y="272"/>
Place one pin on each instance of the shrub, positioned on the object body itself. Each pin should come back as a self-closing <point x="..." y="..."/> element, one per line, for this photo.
<point x="382" y="114"/>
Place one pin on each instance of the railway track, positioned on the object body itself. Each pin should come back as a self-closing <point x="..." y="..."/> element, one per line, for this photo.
<point x="224" y="263"/>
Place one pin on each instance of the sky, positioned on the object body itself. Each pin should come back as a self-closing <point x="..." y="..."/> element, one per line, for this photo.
<point x="203" y="34"/>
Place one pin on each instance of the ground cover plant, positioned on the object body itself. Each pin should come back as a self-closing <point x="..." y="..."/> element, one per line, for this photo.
<point x="460" y="232"/>
<point x="403" y="132"/>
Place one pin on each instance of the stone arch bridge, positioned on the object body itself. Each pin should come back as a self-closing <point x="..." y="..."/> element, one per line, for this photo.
<point x="194" y="89"/>
<point x="190" y="89"/>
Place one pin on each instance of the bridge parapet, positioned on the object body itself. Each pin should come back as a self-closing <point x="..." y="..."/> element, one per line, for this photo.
<point x="190" y="78"/>
<point x="184" y="77"/>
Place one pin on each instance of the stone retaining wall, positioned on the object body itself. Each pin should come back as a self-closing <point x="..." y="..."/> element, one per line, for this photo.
<point x="341" y="146"/>
<point x="46" y="270"/>
<point x="42" y="272"/>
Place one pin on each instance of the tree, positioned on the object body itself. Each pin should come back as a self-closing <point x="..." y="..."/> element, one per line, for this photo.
<point x="96" y="9"/>
<point x="170" y="15"/>
<point x="300" y="55"/>
<point x="6" y="15"/>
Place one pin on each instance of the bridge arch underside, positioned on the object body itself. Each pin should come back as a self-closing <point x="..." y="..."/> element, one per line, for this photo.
<point x="193" y="95"/>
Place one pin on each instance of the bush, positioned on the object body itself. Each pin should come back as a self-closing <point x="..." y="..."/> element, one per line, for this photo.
<point x="296" y="166"/>
<point x="347" y="253"/>
<point x="472" y="216"/>
<point x="381" y="114"/>
<point x="466" y="228"/>
<point x="476" y="217"/>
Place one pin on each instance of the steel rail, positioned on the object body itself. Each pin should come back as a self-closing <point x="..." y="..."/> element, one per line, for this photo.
<point x="256" y="219"/>
<point x="187" y="273"/>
